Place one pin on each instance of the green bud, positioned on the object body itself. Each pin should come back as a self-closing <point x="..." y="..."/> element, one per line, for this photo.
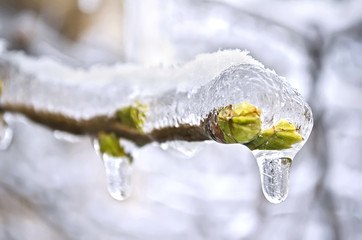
<point x="239" y="123"/>
<point x="109" y="144"/>
<point x="132" y="116"/>
<point x="281" y="136"/>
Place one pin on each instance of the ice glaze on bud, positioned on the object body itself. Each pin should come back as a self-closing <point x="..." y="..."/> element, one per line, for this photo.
<point x="240" y="123"/>
<point x="281" y="136"/>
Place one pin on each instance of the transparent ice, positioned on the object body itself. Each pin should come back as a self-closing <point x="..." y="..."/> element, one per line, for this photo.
<point x="118" y="172"/>
<point x="80" y="93"/>
<point x="184" y="95"/>
<point x="256" y="85"/>
<point x="6" y="134"/>
<point x="274" y="174"/>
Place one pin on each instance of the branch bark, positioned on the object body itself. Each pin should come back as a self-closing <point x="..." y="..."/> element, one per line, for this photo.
<point x="206" y="130"/>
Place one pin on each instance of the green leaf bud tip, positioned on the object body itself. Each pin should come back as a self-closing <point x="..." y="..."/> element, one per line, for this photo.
<point x="239" y="123"/>
<point x="133" y="116"/>
<point x="109" y="144"/>
<point x="281" y="136"/>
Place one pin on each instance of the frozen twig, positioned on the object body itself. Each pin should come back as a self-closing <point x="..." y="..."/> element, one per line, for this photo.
<point x="143" y="105"/>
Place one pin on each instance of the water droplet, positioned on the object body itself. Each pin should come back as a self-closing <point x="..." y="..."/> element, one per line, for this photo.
<point x="164" y="146"/>
<point x="118" y="171"/>
<point x="6" y="135"/>
<point x="274" y="174"/>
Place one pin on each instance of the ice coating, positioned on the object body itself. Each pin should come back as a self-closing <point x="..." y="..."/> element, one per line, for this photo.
<point x="263" y="88"/>
<point x="174" y="95"/>
<point x="83" y="93"/>
<point x="118" y="173"/>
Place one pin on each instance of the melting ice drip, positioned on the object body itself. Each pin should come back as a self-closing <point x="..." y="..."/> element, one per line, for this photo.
<point x="209" y="82"/>
<point x="118" y="172"/>
<point x="274" y="174"/>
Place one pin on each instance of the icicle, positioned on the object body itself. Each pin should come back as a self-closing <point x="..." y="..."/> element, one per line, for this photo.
<point x="6" y="134"/>
<point x="274" y="174"/>
<point x="118" y="173"/>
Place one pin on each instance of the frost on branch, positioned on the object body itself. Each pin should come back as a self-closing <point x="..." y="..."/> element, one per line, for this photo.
<point x="225" y="96"/>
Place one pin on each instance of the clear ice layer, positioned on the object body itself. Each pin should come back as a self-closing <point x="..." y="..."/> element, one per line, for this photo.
<point x="274" y="174"/>
<point x="261" y="87"/>
<point x="83" y="93"/>
<point x="184" y="94"/>
<point x="118" y="173"/>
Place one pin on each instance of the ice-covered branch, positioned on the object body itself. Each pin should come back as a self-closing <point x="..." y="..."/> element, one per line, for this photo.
<point x="83" y="101"/>
<point x="226" y="96"/>
<point x="94" y="125"/>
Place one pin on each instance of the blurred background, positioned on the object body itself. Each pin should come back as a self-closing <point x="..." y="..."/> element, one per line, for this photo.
<point x="56" y="189"/>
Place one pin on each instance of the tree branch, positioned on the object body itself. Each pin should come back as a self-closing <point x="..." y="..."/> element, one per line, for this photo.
<point x="65" y="99"/>
<point x="93" y="126"/>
